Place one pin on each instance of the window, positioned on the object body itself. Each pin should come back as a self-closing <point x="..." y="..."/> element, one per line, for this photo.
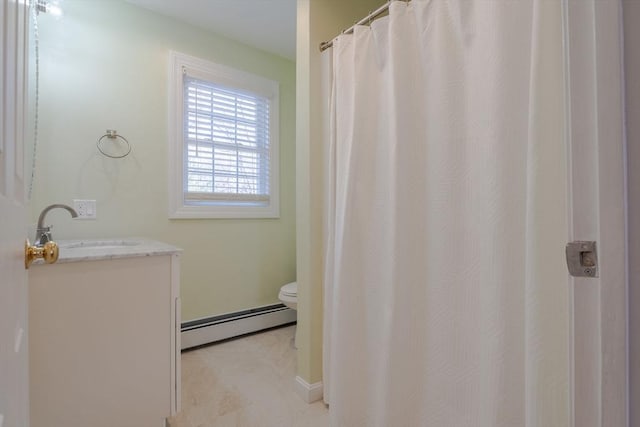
<point x="223" y="142"/>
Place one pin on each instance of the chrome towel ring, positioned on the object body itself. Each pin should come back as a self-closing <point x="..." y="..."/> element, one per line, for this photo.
<point x="113" y="136"/>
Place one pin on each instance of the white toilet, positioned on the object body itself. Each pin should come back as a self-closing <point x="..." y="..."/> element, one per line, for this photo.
<point x="289" y="295"/>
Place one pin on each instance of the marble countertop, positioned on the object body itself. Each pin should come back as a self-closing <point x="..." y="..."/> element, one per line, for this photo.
<point x="111" y="248"/>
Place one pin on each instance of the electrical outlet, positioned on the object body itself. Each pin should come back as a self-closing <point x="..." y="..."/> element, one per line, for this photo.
<point x="86" y="208"/>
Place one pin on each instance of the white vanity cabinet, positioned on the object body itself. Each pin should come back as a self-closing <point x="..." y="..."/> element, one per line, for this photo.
<point x="104" y="343"/>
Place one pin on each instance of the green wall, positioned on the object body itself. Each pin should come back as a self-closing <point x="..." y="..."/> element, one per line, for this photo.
<point x="317" y="21"/>
<point x="104" y="65"/>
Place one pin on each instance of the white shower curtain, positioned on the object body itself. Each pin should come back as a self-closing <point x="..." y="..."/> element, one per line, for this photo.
<point x="446" y="294"/>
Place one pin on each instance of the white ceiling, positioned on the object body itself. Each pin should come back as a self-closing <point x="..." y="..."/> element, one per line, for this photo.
<point x="269" y="25"/>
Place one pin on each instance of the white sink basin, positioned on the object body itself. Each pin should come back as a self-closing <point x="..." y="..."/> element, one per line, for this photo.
<point x="103" y="249"/>
<point x="99" y="244"/>
<point x="97" y="249"/>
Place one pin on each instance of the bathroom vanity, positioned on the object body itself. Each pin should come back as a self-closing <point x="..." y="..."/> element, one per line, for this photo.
<point x="104" y="335"/>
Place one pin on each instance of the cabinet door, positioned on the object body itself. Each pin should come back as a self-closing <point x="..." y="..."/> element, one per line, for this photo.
<point x="101" y="343"/>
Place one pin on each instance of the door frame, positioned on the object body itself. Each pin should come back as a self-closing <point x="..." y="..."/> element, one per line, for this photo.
<point x="596" y="156"/>
<point x="631" y="16"/>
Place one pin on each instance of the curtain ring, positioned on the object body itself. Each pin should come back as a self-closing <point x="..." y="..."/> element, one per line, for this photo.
<point x="113" y="134"/>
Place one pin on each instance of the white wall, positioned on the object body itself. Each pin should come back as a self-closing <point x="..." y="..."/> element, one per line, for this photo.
<point x="104" y="65"/>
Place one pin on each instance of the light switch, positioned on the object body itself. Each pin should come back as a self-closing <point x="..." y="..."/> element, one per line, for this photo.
<point x="1" y="420"/>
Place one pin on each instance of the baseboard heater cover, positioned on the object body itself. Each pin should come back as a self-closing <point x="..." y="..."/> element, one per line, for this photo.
<point x="208" y="330"/>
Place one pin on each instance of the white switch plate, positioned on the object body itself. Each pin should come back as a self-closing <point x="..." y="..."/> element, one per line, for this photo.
<point x="86" y="208"/>
<point x="1" y="420"/>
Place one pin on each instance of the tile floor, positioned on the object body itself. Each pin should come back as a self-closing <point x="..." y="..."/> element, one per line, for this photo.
<point x="246" y="382"/>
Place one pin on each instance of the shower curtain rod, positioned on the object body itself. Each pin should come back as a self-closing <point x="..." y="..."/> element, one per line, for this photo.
<point x="367" y="19"/>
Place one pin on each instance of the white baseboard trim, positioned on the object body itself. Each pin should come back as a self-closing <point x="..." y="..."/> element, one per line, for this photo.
<point x="309" y="392"/>
<point x="209" y="330"/>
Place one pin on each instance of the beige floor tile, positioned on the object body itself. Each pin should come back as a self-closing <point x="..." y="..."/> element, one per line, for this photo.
<point x="246" y="382"/>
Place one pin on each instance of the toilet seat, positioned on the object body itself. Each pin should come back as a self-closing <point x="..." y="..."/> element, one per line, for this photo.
<point x="290" y="289"/>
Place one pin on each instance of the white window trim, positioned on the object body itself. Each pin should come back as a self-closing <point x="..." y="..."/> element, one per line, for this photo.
<point x="210" y="71"/>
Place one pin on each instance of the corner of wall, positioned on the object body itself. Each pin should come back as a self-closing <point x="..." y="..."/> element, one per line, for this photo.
<point x="317" y="21"/>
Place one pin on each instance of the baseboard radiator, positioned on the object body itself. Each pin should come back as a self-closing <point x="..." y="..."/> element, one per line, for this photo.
<point x="208" y="330"/>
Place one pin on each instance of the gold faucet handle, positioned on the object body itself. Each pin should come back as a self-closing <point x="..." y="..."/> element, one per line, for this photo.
<point x="48" y="252"/>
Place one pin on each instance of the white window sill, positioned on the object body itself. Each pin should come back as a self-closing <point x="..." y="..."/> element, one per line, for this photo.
<point x="212" y="212"/>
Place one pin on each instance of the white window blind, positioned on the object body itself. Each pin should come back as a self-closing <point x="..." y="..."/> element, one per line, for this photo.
<point x="226" y="143"/>
<point x="223" y="143"/>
